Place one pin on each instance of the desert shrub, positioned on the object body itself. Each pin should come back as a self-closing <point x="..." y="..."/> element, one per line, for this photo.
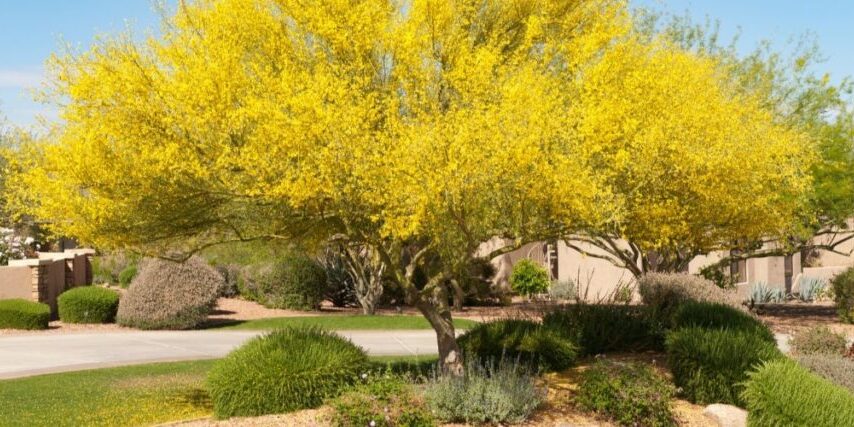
<point x="665" y="291"/>
<point x="718" y="316"/>
<point x="715" y="274"/>
<point x="283" y="371"/>
<point x="127" y="275"/>
<point x="843" y="294"/>
<point x="340" y="289"/>
<point x="294" y="282"/>
<point x="761" y="293"/>
<point x="819" y="340"/>
<point x="520" y="340"/>
<point x="562" y="290"/>
<point x="381" y="400"/>
<point x="498" y="393"/>
<point x="606" y="328"/>
<point x="231" y="274"/>
<point x="23" y="314"/>
<point x="709" y="365"/>
<point x="832" y="367"/>
<point x="88" y="304"/>
<point x="781" y="393"/>
<point x="631" y="394"/>
<point x="107" y="267"/>
<point x="170" y="295"/>
<point x="529" y="278"/>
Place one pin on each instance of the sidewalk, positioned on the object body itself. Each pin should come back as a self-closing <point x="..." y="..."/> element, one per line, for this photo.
<point x="28" y="355"/>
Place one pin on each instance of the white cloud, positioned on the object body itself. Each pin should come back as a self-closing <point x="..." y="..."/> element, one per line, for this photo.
<point x="20" y="78"/>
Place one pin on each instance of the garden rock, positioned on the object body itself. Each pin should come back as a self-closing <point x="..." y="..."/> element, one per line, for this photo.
<point x="726" y="415"/>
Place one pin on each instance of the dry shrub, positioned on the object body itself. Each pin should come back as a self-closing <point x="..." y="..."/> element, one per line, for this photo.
<point x="170" y="295"/>
<point x="665" y="291"/>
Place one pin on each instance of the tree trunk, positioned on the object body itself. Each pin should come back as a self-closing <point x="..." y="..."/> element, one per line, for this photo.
<point x="459" y="295"/>
<point x="440" y="319"/>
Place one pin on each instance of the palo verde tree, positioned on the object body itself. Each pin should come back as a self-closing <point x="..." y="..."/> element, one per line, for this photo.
<point x="791" y="86"/>
<point x="694" y="162"/>
<point x="417" y="129"/>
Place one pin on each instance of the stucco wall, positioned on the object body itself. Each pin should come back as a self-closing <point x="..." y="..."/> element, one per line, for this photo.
<point x="16" y="282"/>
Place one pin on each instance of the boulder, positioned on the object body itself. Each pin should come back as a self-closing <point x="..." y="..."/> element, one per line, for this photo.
<point x="726" y="415"/>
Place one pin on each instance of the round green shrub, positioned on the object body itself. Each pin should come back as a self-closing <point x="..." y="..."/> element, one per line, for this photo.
<point x="88" y="304"/>
<point x="529" y="278"/>
<point x="127" y="275"/>
<point x="23" y="314"/>
<point x="170" y="295"/>
<point x="718" y="316"/>
<point x="528" y="342"/>
<point x="843" y="294"/>
<point x="631" y="394"/>
<point x="711" y="365"/>
<point x="819" y="340"/>
<point x="284" y="371"/>
<point x="294" y="282"/>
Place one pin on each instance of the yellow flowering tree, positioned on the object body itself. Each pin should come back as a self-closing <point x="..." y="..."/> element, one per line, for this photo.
<point x="695" y="164"/>
<point x="418" y="130"/>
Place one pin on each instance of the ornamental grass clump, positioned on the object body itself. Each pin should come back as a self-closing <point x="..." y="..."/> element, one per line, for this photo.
<point x="781" y="393"/>
<point x="23" y="314"/>
<point x="718" y="316"/>
<point x="630" y="394"/>
<point x="283" y="371"/>
<point x="88" y="304"/>
<point x="710" y="365"/>
<point x="524" y="341"/>
<point x="603" y="328"/>
<point x="497" y="393"/>
<point x="819" y="340"/>
<point x="170" y="295"/>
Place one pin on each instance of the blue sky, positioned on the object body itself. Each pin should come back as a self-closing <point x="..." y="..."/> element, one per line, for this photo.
<point x="30" y="30"/>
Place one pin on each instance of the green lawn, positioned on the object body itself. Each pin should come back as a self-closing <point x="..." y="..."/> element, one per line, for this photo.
<point x="129" y="396"/>
<point x="346" y="322"/>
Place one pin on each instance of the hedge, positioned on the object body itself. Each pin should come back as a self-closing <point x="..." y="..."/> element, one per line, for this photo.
<point x="88" y="304"/>
<point x="23" y="314"/>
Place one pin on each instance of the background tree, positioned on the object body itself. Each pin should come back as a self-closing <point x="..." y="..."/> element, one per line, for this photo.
<point x="791" y="85"/>
<point x="695" y="163"/>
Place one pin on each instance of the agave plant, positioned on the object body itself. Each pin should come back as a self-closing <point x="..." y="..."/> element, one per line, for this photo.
<point x="811" y="289"/>
<point x="761" y="293"/>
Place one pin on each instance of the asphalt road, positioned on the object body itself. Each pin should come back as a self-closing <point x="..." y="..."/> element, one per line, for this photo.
<point x="27" y="355"/>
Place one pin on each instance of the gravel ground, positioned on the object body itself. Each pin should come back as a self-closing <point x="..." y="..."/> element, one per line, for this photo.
<point x="794" y="316"/>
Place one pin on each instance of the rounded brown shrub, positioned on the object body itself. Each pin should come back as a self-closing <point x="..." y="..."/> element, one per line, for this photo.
<point x="170" y="295"/>
<point x="665" y="291"/>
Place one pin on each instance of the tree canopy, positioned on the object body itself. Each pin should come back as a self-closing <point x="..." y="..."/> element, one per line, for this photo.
<point x="418" y="129"/>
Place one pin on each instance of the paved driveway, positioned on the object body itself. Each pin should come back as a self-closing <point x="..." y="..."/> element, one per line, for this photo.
<point x="26" y="355"/>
